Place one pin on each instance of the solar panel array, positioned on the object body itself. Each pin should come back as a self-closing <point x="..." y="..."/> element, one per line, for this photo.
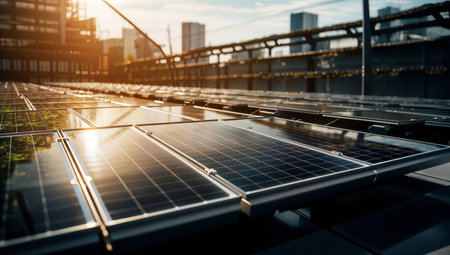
<point x="134" y="176"/>
<point x="75" y="163"/>
<point x="35" y="178"/>
<point x="246" y="159"/>
<point x="362" y="146"/>
<point x="382" y="109"/>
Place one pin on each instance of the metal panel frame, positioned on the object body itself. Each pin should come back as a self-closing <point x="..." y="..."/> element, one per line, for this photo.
<point x="136" y="231"/>
<point x="82" y="237"/>
<point x="261" y="201"/>
<point x="336" y="115"/>
<point x="300" y="192"/>
<point x="276" y="197"/>
<point x="49" y="130"/>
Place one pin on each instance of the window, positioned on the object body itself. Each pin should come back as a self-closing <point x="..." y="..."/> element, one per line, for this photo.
<point x="17" y="65"/>
<point x="33" y="65"/>
<point x="5" y="26"/>
<point x="6" y="42"/>
<point x="6" y="64"/>
<point x="25" y="5"/>
<point x="25" y="28"/>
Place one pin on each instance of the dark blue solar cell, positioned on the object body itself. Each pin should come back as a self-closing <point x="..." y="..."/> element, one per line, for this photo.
<point x="134" y="175"/>
<point x="247" y="159"/>
<point x="365" y="147"/>
<point x="33" y="171"/>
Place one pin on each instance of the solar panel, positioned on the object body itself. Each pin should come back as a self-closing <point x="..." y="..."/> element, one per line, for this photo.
<point x="13" y="122"/>
<point x="13" y="107"/>
<point x="313" y="108"/>
<point x="135" y="178"/>
<point x="127" y="116"/>
<point x="63" y="105"/>
<point x="362" y="146"/>
<point x="445" y="123"/>
<point x="199" y="113"/>
<point x="70" y="99"/>
<point x="12" y="101"/>
<point x="246" y="159"/>
<point x="394" y="118"/>
<point x="133" y="101"/>
<point x="37" y="199"/>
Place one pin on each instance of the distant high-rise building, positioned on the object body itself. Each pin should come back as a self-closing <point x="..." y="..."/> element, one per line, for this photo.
<point x="392" y="37"/>
<point x="129" y="36"/>
<point x="193" y="36"/>
<point x="301" y="21"/>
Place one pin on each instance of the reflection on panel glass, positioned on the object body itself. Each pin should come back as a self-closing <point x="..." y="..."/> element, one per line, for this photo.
<point x="199" y="113"/>
<point x="362" y="146"/>
<point x="13" y="107"/>
<point x="133" y="101"/>
<point x="135" y="176"/>
<point x="382" y="116"/>
<point x="35" y="179"/>
<point x="63" y="105"/>
<point x="314" y="108"/>
<point x="247" y="159"/>
<point x="439" y="123"/>
<point x="62" y="100"/>
<point x="16" y="100"/>
<point x="127" y="116"/>
<point x="12" y="122"/>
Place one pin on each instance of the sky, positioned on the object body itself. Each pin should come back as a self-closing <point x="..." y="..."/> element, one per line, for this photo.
<point x="226" y="20"/>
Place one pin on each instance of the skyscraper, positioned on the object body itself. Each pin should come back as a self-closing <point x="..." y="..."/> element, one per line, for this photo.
<point x="129" y="36"/>
<point x="193" y="36"/>
<point x="388" y="10"/>
<point x="301" y="21"/>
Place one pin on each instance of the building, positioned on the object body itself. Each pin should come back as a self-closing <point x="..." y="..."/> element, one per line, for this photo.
<point x="193" y="36"/>
<point x="129" y="36"/>
<point x="112" y="55"/>
<point x="393" y="37"/>
<point x="112" y="42"/>
<point x="47" y="41"/>
<point x="417" y="34"/>
<point x="145" y="49"/>
<point x="301" y="21"/>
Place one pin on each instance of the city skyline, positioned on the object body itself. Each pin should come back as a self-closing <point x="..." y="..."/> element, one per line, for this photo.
<point x="226" y="21"/>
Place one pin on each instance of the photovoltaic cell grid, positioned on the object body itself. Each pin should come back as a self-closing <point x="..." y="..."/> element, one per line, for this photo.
<point x="127" y="116"/>
<point x="199" y="113"/>
<point x="135" y="176"/>
<point x="13" y="122"/>
<point x="248" y="160"/>
<point x="32" y="166"/>
<point x="13" y="107"/>
<point x="63" y="99"/>
<point x="382" y="116"/>
<point x="64" y="105"/>
<point x="362" y="146"/>
<point x="313" y="108"/>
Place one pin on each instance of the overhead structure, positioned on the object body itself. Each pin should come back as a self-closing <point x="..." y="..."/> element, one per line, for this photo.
<point x="366" y="69"/>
